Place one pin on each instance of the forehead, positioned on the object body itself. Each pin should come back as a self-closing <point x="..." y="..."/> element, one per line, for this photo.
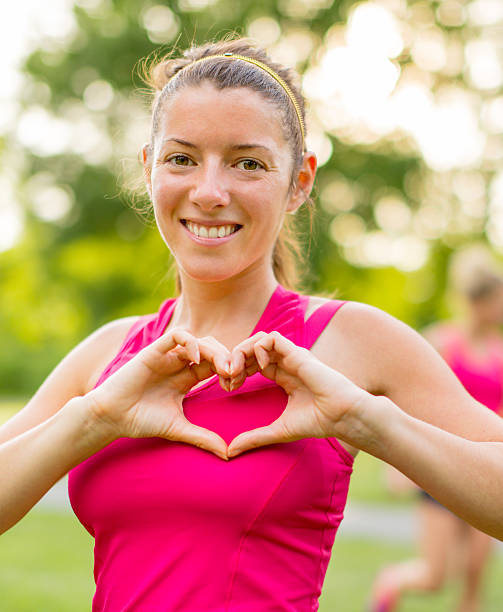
<point x="230" y="114"/>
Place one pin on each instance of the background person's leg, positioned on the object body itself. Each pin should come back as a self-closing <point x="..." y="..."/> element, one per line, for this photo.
<point x="438" y="534"/>
<point x="477" y="555"/>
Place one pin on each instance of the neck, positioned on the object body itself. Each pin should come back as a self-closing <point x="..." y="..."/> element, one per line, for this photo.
<point x="227" y="310"/>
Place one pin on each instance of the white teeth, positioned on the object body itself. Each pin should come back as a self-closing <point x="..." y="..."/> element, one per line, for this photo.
<point x="214" y="231"/>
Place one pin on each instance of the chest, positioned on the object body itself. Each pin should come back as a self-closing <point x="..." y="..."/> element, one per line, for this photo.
<point x="166" y="482"/>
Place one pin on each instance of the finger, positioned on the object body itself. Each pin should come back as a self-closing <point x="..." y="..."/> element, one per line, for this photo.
<point x="217" y="354"/>
<point x="251" y="367"/>
<point x="243" y="360"/>
<point x="255" y="438"/>
<point x="237" y="381"/>
<point x="243" y="352"/>
<point x="293" y="363"/>
<point x="275" y="342"/>
<point x="178" y="337"/>
<point x="170" y="352"/>
<point x="278" y="349"/>
<point x="201" y="371"/>
<point x="261" y="356"/>
<point x="201" y="438"/>
<point x="225" y="383"/>
<point x="238" y="361"/>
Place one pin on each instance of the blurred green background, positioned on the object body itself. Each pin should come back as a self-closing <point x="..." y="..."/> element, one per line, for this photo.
<point x="405" y="114"/>
<point x="405" y="106"/>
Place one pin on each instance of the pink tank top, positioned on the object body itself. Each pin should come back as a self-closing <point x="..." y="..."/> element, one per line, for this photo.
<point x="482" y="379"/>
<point x="178" y="529"/>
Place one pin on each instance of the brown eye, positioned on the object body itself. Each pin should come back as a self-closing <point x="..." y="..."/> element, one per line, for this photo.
<point x="249" y="164"/>
<point x="180" y="160"/>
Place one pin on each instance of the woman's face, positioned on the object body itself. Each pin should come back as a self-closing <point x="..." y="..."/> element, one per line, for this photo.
<point x="220" y="180"/>
<point x="489" y="309"/>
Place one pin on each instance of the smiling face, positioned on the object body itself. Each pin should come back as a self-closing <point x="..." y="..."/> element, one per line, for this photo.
<point x="220" y="180"/>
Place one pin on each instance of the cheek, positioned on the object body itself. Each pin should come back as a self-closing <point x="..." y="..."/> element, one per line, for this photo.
<point x="161" y="189"/>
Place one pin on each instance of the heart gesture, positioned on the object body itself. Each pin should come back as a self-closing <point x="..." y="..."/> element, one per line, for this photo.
<point x="144" y="397"/>
<point x="320" y="399"/>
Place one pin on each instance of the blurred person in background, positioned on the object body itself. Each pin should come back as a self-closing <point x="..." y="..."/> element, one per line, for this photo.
<point x="472" y="345"/>
<point x="210" y="444"/>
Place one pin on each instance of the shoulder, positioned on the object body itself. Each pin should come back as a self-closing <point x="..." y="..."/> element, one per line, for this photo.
<point x="84" y="363"/>
<point x="368" y="327"/>
<point x="357" y="319"/>
<point x="371" y="343"/>
<point x="101" y="346"/>
<point x="75" y="375"/>
<point x="385" y="356"/>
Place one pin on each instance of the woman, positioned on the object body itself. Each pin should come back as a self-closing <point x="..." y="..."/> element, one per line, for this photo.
<point x="473" y="348"/>
<point x="227" y="497"/>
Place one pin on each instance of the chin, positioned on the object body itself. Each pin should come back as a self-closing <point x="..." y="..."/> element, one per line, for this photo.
<point x="209" y="274"/>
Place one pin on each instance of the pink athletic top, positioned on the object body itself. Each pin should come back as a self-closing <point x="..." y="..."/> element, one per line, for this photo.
<point x="178" y="529"/>
<point x="483" y="379"/>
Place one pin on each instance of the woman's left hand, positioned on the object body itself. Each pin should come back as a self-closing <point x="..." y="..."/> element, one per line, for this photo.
<point x="321" y="401"/>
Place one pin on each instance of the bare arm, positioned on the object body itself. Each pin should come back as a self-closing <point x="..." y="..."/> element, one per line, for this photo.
<point x="36" y="459"/>
<point x="143" y="398"/>
<point x="74" y="376"/>
<point x="54" y="431"/>
<point x="465" y="476"/>
<point x="386" y="391"/>
<point x="424" y="423"/>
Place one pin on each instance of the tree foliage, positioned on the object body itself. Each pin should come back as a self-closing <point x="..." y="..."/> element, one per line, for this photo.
<point x="99" y="260"/>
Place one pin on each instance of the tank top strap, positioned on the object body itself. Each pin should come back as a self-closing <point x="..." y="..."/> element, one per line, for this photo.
<point x="140" y="323"/>
<point x="320" y="318"/>
<point x="142" y="332"/>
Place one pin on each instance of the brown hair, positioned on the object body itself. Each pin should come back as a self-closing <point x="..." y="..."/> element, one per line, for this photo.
<point x="223" y="73"/>
<point x="474" y="273"/>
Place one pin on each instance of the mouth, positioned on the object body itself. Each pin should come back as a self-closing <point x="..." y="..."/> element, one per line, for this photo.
<point x="210" y="231"/>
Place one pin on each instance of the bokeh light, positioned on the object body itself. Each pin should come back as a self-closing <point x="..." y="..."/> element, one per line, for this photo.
<point x="161" y="24"/>
<point x="419" y="80"/>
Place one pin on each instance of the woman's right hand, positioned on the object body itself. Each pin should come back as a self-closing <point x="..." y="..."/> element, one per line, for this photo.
<point x="144" y="397"/>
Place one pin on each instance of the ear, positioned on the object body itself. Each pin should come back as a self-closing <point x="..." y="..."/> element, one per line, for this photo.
<point x="146" y="154"/>
<point x="304" y="181"/>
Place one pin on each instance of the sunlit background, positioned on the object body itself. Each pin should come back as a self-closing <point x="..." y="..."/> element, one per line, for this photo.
<point x="405" y="114"/>
<point x="405" y="104"/>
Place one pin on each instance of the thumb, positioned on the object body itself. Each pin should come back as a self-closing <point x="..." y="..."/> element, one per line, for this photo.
<point x="255" y="438"/>
<point x="202" y="438"/>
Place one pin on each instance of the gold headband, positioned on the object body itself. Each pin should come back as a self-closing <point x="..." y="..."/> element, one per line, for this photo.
<point x="269" y="71"/>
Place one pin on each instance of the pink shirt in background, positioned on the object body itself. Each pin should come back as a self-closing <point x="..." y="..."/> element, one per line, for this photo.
<point x="481" y="377"/>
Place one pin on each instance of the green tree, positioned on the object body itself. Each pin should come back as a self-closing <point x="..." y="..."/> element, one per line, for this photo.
<point x="86" y="257"/>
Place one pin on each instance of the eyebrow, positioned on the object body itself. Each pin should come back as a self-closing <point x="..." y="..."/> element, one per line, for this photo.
<point x="239" y="147"/>
<point x="179" y="141"/>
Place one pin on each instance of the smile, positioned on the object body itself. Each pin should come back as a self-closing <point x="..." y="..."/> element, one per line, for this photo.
<point x="210" y="231"/>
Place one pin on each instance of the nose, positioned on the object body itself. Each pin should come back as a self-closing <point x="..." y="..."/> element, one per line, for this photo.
<point x="210" y="190"/>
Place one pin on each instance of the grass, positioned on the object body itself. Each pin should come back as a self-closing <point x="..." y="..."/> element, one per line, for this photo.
<point x="355" y="562"/>
<point x="46" y="565"/>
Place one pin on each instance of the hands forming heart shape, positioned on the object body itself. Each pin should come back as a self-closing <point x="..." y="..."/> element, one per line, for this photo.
<point x="144" y="397"/>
